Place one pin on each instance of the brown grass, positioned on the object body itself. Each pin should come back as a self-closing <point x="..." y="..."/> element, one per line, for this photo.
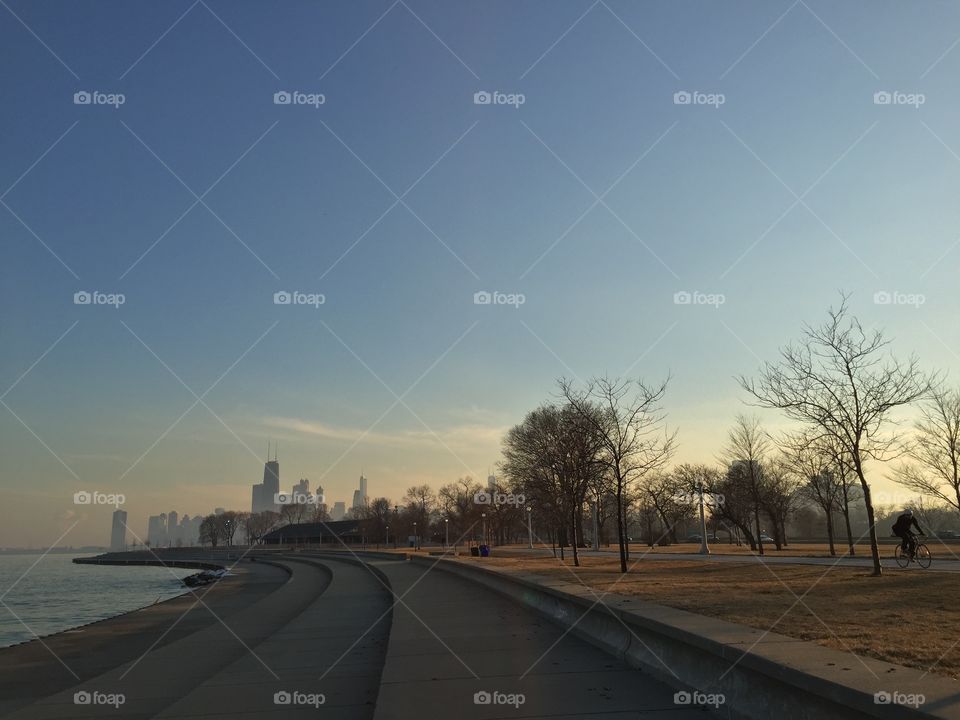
<point x="907" y="618"/>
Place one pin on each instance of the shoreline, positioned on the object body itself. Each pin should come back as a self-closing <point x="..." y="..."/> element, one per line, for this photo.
<point x="46" y="664"/>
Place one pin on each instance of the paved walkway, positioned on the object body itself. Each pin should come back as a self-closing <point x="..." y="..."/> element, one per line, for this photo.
<point x="338" y="639"/>
<point x="453" y="638"/>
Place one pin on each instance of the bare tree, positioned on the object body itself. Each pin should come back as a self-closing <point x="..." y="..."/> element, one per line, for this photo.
<point x="630" y="425"/>
<point x="554" y="455"/>
<point x="812" y="465"/>
<point x="842" y="383"/>
<point x="935" y="450"/>
<point x="746" y="450"/>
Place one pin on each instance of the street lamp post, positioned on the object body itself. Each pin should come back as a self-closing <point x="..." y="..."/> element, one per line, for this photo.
<point x="484" y="536"/>
<point x="387" y="541"/>
<point x="704" y="549"/>
<point x="446" y="533"/>
<point x="529" y="527"/>
<point x="416" y="538"/>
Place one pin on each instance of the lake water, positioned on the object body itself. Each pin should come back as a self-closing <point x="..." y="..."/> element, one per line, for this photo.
<point x="54" y="594"/>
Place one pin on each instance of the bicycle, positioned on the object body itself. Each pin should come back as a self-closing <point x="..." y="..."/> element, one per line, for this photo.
<point x="918" y="553"/>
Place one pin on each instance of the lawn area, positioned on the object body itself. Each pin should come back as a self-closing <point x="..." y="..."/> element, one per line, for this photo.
<point x="905" y="617"/>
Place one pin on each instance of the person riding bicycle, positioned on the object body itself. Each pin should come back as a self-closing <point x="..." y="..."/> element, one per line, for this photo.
<point x="902" y="529"/>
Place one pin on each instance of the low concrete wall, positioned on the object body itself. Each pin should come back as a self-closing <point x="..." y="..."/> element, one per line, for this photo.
<point x="761" y="675"/>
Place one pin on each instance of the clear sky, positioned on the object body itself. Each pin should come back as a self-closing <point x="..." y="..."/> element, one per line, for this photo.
<point x="399" y="197"/>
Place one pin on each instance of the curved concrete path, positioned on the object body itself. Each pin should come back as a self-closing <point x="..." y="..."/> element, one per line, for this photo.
<point x="380" y="640"/>
<point x="452" y="638"/>
<point x="53" y="664"/>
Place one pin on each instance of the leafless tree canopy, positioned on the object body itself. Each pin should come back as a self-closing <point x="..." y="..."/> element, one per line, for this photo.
<point x="935" y="451"/>
<point x="841" y="382"/>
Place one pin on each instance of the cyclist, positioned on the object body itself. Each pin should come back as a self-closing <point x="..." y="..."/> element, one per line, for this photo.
<point x="902" y="529"/>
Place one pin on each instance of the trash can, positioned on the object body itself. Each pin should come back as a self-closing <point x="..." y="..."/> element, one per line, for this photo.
<point x="474" y="551"/>
<point x="484" y="551"/>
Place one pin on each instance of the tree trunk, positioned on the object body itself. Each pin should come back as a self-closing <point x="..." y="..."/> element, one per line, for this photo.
<point x="756" y="515"/>
<point x="874" y="547"/>
<point x="573" y="529"/>
<point x="846" y="518"/>
<point x="620" y="538"/>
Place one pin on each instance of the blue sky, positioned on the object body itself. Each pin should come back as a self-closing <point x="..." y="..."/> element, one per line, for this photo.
<point x="694" y="198"/>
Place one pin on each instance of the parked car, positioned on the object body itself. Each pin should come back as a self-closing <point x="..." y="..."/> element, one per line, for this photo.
<point x="947" y="535"/>
<point x="766" y="538"/>
<point x="696" y="538"/>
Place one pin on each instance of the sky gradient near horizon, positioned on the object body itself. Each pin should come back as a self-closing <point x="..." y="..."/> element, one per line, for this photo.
<point x="599" y="199"/>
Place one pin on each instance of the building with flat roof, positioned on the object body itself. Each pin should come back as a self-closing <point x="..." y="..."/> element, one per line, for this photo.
<point x="118" y="531"/>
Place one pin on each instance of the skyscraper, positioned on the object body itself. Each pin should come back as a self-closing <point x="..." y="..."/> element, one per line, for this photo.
<point x="339" y="510"/>
<point x="264" y="496"/>
<point x="173" y="527"/>
<point x="118" y="533"/>
<point x="157" y="530"/>
<point x="360" y="495"/>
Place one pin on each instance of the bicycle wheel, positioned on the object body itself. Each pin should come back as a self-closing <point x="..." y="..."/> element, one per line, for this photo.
<point x="923" y="556"/>
<point x="902" y="558"/>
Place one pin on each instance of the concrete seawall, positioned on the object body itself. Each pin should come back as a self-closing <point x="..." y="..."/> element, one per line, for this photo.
<point x="762" y="675"/>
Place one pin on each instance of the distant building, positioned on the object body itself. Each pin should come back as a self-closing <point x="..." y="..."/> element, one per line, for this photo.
<point x="219" y="511"/>
<point x="173" y="528"/>
<point x="118" y="533"/>
<point x="264" y="496"/>
<point x="360" y="495"/>
<point x="491" y="482"/>
<point x="339" y="511"/>
<point x="157" y="530"/>
<point x="334" y="533"/>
